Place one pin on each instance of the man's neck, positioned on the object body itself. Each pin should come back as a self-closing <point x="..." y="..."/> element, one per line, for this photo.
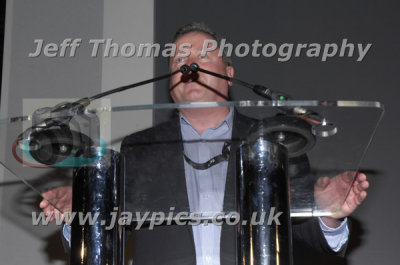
<point x="204" y="118"/>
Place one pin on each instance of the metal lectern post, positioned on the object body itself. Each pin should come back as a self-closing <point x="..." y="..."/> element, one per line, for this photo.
<point x="263" y="188"/>
<point x="95" y="192"/>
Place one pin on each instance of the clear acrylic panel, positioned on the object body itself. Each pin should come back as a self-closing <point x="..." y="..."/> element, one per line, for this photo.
<point x="153" y="157"/>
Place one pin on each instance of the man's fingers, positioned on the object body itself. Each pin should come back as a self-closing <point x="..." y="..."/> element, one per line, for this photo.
<point x="360" y="186"/>
<point x="322" y="182"/>
<point x="53" y="213"/>
<point x="361" y="177"/>
<point x="357" y="188"/>
<point x="54" y="193"/>
<point x="48" y="209"/>
<point x="358" y="199"/>
<point x="346" y="177"/>
<point x="49" y="193"/>
<point x="365" y="184"/>
<point x="48" y="212"/>
<point x="362" y="196"/>
<point x="56" y="200"/>
<point x="46" y="206"/>
<point x="43" y="204"/>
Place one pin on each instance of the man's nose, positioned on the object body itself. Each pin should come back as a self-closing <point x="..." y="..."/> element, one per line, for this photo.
<point x="192" y="58"/>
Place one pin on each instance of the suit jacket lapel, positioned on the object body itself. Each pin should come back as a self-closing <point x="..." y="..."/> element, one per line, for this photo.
<point x="171" y="138"/>
<point x="172" y="147"/>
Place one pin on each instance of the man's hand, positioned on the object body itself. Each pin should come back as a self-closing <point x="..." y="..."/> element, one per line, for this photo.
<point x="341" y="195"/>
<point x="61" y="197"/>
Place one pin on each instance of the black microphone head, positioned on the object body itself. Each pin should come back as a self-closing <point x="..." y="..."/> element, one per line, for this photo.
<point x="262" y="91"/>
<point x="185" y="69"/>
<point x="194" y="67"/>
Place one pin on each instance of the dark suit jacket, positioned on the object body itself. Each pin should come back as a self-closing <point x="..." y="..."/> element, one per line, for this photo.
<point x="152" y="161"/>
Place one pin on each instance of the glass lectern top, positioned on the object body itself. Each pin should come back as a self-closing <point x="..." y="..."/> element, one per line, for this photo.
<point x="324" y="139"/>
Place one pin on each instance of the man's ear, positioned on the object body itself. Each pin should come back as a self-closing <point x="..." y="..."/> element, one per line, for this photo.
<point x="230" y="72"/>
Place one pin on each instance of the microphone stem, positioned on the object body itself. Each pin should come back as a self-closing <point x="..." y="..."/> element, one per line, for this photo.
<point x="234" y="80"/>
<point x="122" y="88"/>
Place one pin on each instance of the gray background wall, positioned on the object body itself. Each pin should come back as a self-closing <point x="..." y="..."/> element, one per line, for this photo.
<point x="41" y="77"/>
<point x="69" y="77"/>
<point x="375" y="240"/>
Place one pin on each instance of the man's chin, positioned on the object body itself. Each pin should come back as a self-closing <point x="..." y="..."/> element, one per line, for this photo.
<point x="200" y="95"/>
<point x="195" y="96"/>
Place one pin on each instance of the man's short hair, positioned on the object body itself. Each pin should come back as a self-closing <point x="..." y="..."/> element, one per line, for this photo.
<point x="201" y="27"/>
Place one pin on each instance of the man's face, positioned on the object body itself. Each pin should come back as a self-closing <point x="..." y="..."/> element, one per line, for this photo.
<point x="199" y="87"/>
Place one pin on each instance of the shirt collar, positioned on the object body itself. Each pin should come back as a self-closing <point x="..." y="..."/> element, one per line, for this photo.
<point x="228" y="121"/>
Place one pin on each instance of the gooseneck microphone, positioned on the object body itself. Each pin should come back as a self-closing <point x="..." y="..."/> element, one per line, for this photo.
<point x="258" y="89"/>
<point x="264" y="92"/>
<point x="312" y="117"/>
<point x="184" y="69"/>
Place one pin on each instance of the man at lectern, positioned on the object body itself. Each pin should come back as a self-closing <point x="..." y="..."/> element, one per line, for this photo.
<point x="208" y="184"/>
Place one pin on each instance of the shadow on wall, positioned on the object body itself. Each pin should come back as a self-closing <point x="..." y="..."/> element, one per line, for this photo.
<point x="18" y="204"/>
<point x="54" y="249"/>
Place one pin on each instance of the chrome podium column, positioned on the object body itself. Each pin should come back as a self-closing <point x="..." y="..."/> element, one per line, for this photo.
<point x="263" y="188"/>
<point x="95" y="192"/>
